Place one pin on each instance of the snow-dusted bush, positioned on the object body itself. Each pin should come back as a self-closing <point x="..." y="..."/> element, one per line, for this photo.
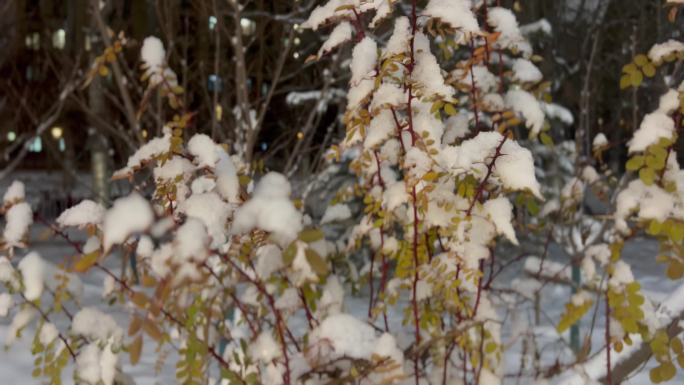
<point x="234" y="278"/>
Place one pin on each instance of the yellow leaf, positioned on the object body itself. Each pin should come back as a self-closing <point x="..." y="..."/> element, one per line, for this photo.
<point x="135" y="349"/>
<point x="86" y="262"/>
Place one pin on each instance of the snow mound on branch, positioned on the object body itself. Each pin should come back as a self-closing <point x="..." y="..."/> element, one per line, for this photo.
<point x="427" y="71"/>
<point x="95" y="325"/>
<point x="211" y="210"/>
<point x="17" y="221"/>
<point x="525" y="71"/>
<point x="523" y="103"/>
<point x="514" y="168"/>
<point x="600" y="140"/>
<point x="153" y="53"/>
<point x="14" y="193"/>
<point x="129" y="215"/>
<point x="172" y="168"/>
<point x="388" y="94"/>
<point x="33" y="270"/>
<point x="144" y="154"/>
<point x="337" y="212"/>
<point x="270" y="209"/>
<point x="364" y="59"/>
<point x="85" y="213"/>
<point x="380" y="129"/>
<point x="656" y="125"/>
<point x="340" y="35"/>
<point x="658" y="52"/>
<point x="400" y="40"/>
<point x="322" y="13"/>
<point x="204" y="149"/>
<point x="456" y="13"/>
<point x="503" y="20"/>
<point x="500" y="211"/>
<point x="343" y="335"/>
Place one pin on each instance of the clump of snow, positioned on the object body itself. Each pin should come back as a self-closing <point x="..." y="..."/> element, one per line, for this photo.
<point x="270" y="209"/>
<point x="227" y="182"/>
<point x="388" y="94"/>
<point x="191" y="242"/>
<point x="525" y="104"/>
<point x="427" y="71"/>
<point x="212" y="211"/>
<point x="655" y="126"/>
<point x="456" y="13"/>
<point x="48" y="333"/>
<point x="399" y="42"/>
<point x="172" y="168"/>
<point x="558" y="112"/>
<point x="129" y="215"/>
<point x="15" y="193"/>
<point x="364" y="59"/>
<point x="144" y="154"/>
<point x="33" y="270"/>
<point x="337" y="212"/>
<point x="341" y="34"/>
<point x="503" y="20"/>
<point x="515" y="167"/>
<point x="18" y="219"/>
<point x="525" y="71"/>
<point x="456" y="127"/>
<point x="88" y="364"/>
<point x="381" y="128"/>
<point x="600" y="141"/>
<point x="658" y="52"/>
<point x="153" y="53"/>
<point x="541" y="25"/>
<point x="6" y="303"/>
<point x="19" y="322"/>
<point x="95" y="325"/>
<point x="342" y="335"/>
<point x="85" y="213"/>
<point x="500" y="211"/>
<point x="265" y="348"/>
<point x="204" y="149"/>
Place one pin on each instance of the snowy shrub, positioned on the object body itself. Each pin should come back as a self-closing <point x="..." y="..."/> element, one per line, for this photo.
<point x="444" y="124"/>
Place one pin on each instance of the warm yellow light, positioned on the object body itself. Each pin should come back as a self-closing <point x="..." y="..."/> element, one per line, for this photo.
<point x="144" y="133"/>
<point x="300" y="135"/>
<point x="56" y="132"/>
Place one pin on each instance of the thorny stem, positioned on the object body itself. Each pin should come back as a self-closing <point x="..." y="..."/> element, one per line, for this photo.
<point x="609" y="374"/>
<point x="414" y="301"/>
<point x="490" y="170"/>
<point x="280" y="324"/>
<point x="47" y="319"/>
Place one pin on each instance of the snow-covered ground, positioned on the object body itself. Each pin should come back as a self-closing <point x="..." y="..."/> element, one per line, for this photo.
<point x="17" y="363"/>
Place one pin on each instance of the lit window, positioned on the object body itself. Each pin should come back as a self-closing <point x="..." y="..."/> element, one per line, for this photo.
<point x="248" y="26"/>
<point x="33" y="41"/>
<point x="59" y="39"/>
<point x="11" y="136"/>
<point x="36" y="145"/>
<point x="212" y="22"/>
<point x="215" y="83"/>
<point x="62" y="145"/>
<point x="56" y="132"/>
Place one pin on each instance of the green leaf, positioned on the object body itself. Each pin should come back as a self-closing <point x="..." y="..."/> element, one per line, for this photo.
<point x="546" y="139"/>
<point x="311" y="235"/>
<point x="635" y="163"/>
<point x="450" y="110"/>
<point x="289" y="254"/>
<point x="86" y="262"/>
<point x="318" y="264"/>
<point x="636" y="78"/>
<point x="625" y="82"/>
<point x="649" y="70"/>
<point x="647" y="175"/>
<point x="641" y="60"/>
